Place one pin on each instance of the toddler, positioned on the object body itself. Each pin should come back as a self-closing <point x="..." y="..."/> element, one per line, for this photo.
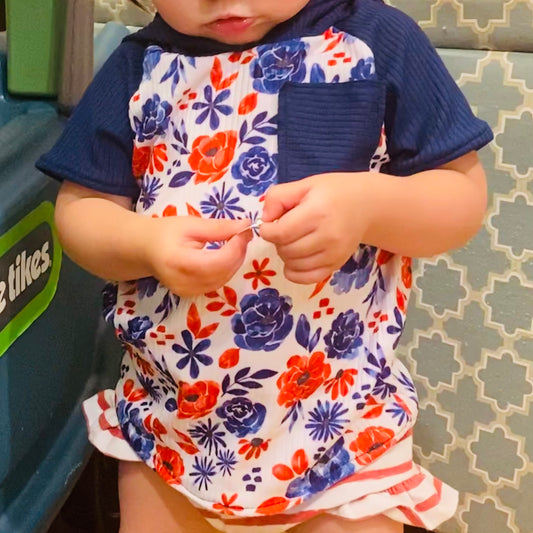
<point x="255" y="175"/>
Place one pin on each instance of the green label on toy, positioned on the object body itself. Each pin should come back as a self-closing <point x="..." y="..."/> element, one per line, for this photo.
<point x="30" y="261"/>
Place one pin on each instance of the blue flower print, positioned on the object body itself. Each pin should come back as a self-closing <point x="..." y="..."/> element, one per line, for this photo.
<point x="204" y="471"/>
<point x="146" y="287"/>
<point x="241" y="416"/>
<point x="150" y="386"/>
<point x="332" y="467"/>
<point x="154" y="120"/>
<point x="133" y="430"/>
<point x="192" y="353"/>
<point x="364" y="70"/>
<point x="256" y="170"/>
<point x="326" y="420"/>
<point x="344" y="338"/>
<point x="264" y="322"/>
<point x="226" y="462"/>
<point x="149" y="191"/>
<point x="355" y="273"/>
<point x="381" y="372"/>
<point x="135" y="332"/>
<point x="152" y="57"/>
<point x="220" y="204"/>
<point x="109" y="298"/>
<point x="276" y="64"/>
<point x="211" y="107"/>
<point x="208" y="436"/>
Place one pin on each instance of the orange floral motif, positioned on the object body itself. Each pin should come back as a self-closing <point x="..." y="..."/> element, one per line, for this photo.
<point x="274" y="505"/>
<point x="303" y="377"/>
<point x="168" y="464"/>
<point x="252" y="448"/>
<point x="211" y="156"/>
<point x="341" y="383"/>
<point x="226" y="507"/>
<point x="407" y="276"/>
<point x="159" y="155"/>
<point x="371" y="443"/>
<point x="197" y="399"/>
<point x="140" y="160"/>
<point x="260" y="274"/>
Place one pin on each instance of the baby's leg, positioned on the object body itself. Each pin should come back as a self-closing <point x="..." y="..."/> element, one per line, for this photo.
<point x="326" y="523"/>
<point x="148" y="504"/>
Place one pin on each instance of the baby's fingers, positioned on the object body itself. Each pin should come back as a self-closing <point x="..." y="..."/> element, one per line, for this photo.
<point x="212" y="230"/>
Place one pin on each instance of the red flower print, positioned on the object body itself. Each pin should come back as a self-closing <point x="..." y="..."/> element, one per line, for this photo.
<point x="401" y="300"/>
<point x="384" y="257"/>
<point x="159" y="154"/>
<point x="226" y="507"/>
<point x="168" y="464"/>
<point x="229" y="358"/>
<point x="341" y="383"/>
<point x="299" y="464"/>
<point x="378" y="319"/>
<point x="131" y="394"/>
<point x="371" y="443"/>
<point x="303" y="377"/>
<point x="217" y="79"/>
<point x="260" y="274"/>
<point x="253" y="448"/>
<point x="211" y="156"/>
<point x="197" y="399"/>
<point x="248" y="104"/>
<point x="154" y="426"/>
<point x="140" y="160"/>
<point x="228" y="297"/>
<point x="407" y="276"/>
<point x="274" y="505"/>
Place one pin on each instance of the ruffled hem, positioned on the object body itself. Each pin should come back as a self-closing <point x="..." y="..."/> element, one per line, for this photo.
<point x="391" y="485"/>
<point x="103" y="428"/>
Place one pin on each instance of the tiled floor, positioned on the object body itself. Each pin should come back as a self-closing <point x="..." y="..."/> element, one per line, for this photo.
<point x="93" y="505"/>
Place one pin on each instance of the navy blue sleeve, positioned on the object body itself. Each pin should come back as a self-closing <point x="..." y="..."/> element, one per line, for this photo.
<point x="428" y="121"/>
<point x="95" y="149"/>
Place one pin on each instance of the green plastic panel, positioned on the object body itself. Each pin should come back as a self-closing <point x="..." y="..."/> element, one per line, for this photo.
<point x="35" y="33"/>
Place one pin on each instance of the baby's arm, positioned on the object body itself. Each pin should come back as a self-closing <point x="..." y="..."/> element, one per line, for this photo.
<point x="101" y="233"/>
<point x="322" y="219"/>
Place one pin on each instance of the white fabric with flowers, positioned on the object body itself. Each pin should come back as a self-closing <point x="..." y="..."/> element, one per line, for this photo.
<point x="257" y="397"/>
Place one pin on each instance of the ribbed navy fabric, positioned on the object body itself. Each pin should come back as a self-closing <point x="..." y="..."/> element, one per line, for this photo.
<point x="427" y="119"/>
<point x="328" y="127"/>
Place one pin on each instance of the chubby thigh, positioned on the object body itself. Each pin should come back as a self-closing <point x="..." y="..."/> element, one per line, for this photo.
<point x="148" y="504"/>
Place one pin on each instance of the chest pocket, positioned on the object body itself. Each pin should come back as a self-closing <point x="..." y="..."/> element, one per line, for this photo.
<point x="326" y="127"/>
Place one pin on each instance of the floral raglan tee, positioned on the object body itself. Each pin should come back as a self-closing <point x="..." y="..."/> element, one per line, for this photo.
<point x="263" y="394"/>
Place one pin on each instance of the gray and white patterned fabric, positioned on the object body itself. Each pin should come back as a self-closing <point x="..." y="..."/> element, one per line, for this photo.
<point x="122" y="11"/>
<point x="469" y="336"/>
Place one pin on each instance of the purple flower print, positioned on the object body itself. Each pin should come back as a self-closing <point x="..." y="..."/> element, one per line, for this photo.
<point x="364" y="70"/>
<point x="256" y="170"/>
<point x="264" y="321"/>
<point x="241" y="416"/>
<point x="212" y="107"/>
<point x="344" y="338"/>
<point x="332" y="467"/>
<point x="135" y="332"/>
<point x="133" y="430"/>
<point x="275" y="65"/>
<point x="355" y="273"/>
<point x="109" y="298"/>
<point x="154" y="120"/>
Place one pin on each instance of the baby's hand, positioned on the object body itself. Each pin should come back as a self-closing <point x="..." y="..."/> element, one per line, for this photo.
<point x="175" y="249"/>
<point x="320" y="222"/>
